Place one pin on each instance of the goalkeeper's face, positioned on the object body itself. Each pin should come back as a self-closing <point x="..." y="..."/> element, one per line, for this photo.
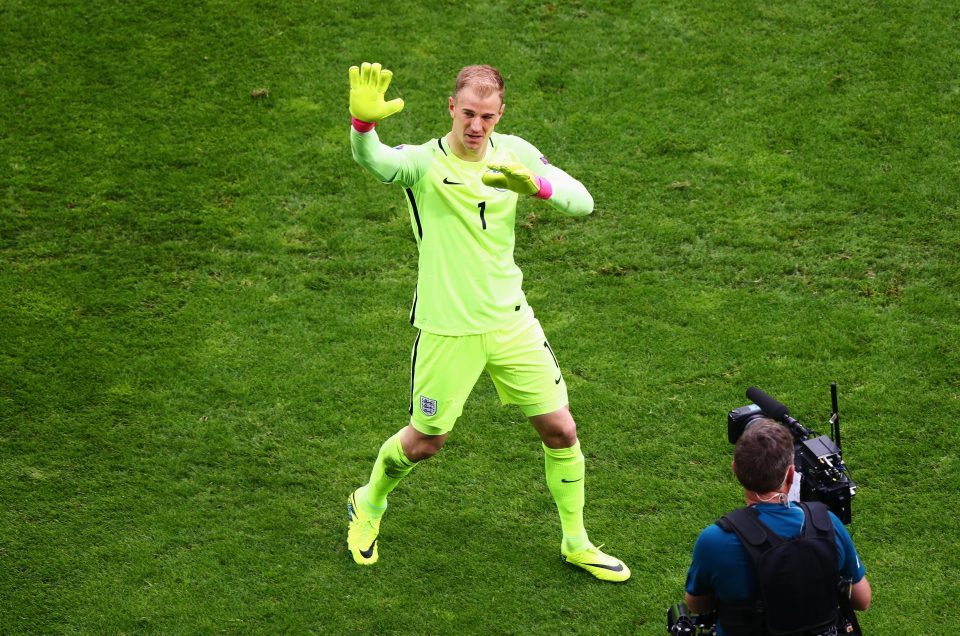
<point x="474" y="118"/>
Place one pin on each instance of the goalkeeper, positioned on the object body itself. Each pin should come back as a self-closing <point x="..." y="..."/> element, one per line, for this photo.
<point x="462" y="190"/>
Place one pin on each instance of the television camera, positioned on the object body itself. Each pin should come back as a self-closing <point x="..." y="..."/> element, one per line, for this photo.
<point x="822" y="476"/>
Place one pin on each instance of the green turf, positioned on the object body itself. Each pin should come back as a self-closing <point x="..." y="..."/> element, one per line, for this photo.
<point x="203" y="303"/>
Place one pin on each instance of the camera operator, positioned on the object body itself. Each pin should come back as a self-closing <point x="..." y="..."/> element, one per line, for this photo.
<point x="722" y="575"/>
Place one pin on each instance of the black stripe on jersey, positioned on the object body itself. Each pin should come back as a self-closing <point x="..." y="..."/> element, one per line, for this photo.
<point x="416" y="212"/>
<point x="440" y="143"/>
<point x="413" y="367"/>
<point x="413" y="310"/>
<point x="491" y="142"/>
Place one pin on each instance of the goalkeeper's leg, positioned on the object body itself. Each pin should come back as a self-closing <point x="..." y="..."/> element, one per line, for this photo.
<point x="564" y="465"/>
<point x="443" y="370"/>
<point x="366" y="505"/>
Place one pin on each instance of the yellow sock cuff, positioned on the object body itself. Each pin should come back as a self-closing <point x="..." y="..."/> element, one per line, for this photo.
<point x="560" y="454"/>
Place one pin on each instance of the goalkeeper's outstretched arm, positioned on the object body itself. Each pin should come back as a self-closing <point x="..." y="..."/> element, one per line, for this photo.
<point x="368" y="85"/>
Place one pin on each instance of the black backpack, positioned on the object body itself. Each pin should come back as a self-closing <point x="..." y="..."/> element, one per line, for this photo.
<point x="797" y="579"/>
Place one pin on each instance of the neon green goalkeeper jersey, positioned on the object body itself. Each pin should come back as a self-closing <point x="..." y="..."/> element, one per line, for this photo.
<point x="468" y="282"/>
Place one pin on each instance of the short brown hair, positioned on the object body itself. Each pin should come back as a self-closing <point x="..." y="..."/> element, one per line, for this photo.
<point x="481" y="78"/>
<point x="762" y="455"/>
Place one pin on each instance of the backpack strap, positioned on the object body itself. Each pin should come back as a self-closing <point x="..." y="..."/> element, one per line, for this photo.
<point x="746" y="617"/>
<point x="816" y="519"/>
<point x="755" y="536"/>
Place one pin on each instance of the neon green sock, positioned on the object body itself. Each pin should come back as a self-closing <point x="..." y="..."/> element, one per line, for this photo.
<point x="391" y="466"/>
<point x="565" y="475"/>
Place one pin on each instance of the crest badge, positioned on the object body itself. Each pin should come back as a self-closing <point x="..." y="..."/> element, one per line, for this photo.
<point x="428" y="406"/>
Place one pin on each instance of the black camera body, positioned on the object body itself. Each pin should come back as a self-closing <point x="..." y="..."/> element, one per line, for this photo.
<point x="818" y="458"/>
<point x="680" y="622"/>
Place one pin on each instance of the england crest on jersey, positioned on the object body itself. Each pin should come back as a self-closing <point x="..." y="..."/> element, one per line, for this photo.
<point x="428" y="406"/>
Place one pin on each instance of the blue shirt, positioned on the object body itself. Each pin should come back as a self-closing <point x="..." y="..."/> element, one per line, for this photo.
<point x="722" y="567"/>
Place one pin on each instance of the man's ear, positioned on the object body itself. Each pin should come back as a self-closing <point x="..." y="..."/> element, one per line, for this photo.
<point x="451" y="106"/>
<point x="791" y="474"/>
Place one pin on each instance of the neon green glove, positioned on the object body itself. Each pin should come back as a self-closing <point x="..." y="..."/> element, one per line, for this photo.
<point x="513" y="176"/>
<point x="368" y="83"/>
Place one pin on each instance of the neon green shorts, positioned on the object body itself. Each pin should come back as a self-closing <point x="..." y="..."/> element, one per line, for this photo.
<point x="444" y="370"/>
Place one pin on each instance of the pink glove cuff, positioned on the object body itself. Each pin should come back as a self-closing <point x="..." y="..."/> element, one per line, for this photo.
<point x="362" y="126"/>
<point x="545" y="191"/>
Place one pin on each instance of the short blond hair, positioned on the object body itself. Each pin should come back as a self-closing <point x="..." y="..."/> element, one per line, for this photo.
<point x="483" y="79"/>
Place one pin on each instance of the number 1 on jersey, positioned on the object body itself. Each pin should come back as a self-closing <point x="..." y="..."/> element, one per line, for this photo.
<point x="483" y="207"/>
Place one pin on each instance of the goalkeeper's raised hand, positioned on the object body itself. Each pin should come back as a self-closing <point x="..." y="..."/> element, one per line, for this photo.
<point x="518" y="178"/>
<point x="368" y="84"/>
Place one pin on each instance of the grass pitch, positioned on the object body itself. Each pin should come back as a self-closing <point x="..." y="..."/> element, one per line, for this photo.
<point x="203" y="301"/>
